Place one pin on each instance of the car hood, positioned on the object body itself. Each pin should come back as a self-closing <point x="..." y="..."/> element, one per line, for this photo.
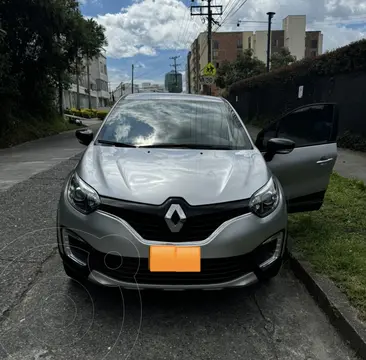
<point x="152" y="176"/>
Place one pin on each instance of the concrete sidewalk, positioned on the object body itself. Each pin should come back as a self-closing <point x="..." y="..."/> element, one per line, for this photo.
<point x="20" y="162"/>
<point x="350" y="164"/>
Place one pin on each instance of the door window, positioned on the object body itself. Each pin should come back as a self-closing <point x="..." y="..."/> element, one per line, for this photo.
<point x="307" y="126"/>
<point x="269" y="133"/>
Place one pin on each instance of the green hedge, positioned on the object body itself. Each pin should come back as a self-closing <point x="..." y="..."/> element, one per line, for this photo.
<point x="102" y="114"/>
<point x="347" y="59"/>
<point x="84" y="113"/>
<point x="350" y="58"/>
<point x="352" y="142"/>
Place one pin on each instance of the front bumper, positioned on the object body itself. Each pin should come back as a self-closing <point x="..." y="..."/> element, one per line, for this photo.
<point x="114" y="254"/>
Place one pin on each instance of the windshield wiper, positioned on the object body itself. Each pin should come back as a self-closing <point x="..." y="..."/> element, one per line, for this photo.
<point x="115" y="143"/>
<point x="188" y="146"/>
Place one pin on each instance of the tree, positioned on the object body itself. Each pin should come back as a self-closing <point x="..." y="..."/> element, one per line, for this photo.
<point x="244" y="67"/>
<point x="282" y="58"/>
<point x="43" y="41"/>
<point x="92" y="43"/>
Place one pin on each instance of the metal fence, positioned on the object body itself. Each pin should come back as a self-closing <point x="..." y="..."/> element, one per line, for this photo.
<point x="347" y="90"/>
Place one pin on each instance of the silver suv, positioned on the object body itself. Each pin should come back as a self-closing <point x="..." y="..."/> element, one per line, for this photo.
<point x="172" y="193"/>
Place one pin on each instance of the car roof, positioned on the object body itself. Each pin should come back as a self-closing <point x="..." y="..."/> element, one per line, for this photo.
<point x="172" y="96"/>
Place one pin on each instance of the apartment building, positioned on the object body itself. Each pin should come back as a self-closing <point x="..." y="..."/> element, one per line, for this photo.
<point x="150" y="87"/>
<point x="294" y="28"/>
<point x="194" y="67"/>
<point x="126" y="88"/>
<point x="313" y="44"/>
<point x="225" y="46"/>
<point x="293" y="36"/>
<point x="99" y="86"/>
<point x="229" y="45"/>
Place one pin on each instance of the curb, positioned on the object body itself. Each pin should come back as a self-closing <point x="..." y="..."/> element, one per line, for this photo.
<point x="342" y="315"/>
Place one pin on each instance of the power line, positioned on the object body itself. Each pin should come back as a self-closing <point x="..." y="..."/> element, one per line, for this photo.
<point x="229" y="10"/>
<point x="244" y="2"/>
<point x="234" y="5"/>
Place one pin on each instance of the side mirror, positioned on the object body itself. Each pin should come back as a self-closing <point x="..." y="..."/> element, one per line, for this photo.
<point x="85" y="136"/>
<point x="278" y="146"/>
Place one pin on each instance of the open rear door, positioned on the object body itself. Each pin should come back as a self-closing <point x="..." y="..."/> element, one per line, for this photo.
<point x="305" y="172"/>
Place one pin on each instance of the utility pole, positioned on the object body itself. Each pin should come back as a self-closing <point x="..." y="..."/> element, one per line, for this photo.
<point x="270" y="16"/>
<point x="133" y="69"/>
<point x="175" y="65"/>
<point x="211" y="11"/>
<point x="209" y="32"/>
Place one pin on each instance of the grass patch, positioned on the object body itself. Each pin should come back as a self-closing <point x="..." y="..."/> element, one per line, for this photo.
<point x="19" y="132"/>
<point x="333" y="239"/>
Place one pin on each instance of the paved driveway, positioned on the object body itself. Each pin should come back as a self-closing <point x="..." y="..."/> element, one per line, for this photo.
<point x="46" y="316"/>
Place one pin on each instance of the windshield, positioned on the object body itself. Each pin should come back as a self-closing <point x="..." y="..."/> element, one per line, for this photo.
<point x="174" y="123"/>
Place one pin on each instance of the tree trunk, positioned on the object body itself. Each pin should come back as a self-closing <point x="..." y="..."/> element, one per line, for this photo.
<point x="60" y="95"/>
<point x="77" y="84"/>
<point x="89" y="90"/>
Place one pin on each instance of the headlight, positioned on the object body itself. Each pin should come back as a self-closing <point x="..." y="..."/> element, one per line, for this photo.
<point x="81" y="196"/>
<point x="265" y="200"/>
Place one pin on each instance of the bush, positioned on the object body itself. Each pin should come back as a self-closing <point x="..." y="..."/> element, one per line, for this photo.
<point x="18" y="131"/>
<point x="102" y="114"/>
<point x="350" y="58"/>
<point x="84" y="113"/>
<point x="352" y="141"/>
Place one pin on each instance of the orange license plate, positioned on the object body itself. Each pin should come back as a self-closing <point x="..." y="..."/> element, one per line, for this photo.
<point x="175" y="259"/>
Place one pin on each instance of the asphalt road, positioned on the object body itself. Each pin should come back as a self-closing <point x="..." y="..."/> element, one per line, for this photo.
<point x="44" y="315"/>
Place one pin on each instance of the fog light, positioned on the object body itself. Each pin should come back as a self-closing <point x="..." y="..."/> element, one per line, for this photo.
<point x="278" y="238"/>
<point x="74" y="248"/>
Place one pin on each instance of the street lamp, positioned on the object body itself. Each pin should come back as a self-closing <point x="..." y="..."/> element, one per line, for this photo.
<point x="2" y="33"/>
<point x="270" y="16"/>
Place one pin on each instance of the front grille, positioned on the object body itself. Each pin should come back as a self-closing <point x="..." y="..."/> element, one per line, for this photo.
<point x="132" y="270"/>
<point x="149" y="221"/>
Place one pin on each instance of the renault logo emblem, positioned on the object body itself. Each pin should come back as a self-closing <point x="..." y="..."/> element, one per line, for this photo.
<point x="175" y="218"/>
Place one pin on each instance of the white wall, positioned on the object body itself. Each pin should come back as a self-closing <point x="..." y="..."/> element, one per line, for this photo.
<point x="246" y="36"/>
<point x="320" y="44"/>
<point x="98" y="98"/>
<point x="98" y="68"/>
<point x="260" y="45"/>
<point x="295" y="27"/>
<point x="203" y="50"/>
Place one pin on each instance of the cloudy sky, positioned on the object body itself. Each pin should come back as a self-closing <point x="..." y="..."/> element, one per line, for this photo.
<point x="148" y="32"/>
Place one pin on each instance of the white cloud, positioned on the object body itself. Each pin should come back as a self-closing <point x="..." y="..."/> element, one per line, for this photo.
<point x="147" y="26"/>
<point x="116" y="76"/>
<point x="94" y="2"/>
